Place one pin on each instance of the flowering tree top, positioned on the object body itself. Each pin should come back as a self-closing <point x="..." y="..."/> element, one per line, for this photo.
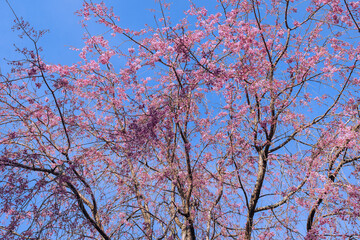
<point x="239" y="121"/>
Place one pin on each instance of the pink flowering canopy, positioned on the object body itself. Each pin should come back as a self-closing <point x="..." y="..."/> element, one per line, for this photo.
<point x="238" y="121"/>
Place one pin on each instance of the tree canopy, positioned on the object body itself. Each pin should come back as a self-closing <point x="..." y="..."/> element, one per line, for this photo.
<point x="239" y="121"/>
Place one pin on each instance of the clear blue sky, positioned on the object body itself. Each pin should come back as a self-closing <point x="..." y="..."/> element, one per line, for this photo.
<point x="65" y="30"/>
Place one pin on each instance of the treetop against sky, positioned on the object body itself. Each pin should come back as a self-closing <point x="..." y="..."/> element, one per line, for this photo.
<point x="212" y="119"/>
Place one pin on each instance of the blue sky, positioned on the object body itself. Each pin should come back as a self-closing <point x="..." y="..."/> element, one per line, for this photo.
<point x="65" y="30"/>
<point x="57" y="16"/>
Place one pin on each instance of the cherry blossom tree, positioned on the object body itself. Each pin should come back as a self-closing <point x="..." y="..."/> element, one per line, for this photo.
<point x="239" y="121"/>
